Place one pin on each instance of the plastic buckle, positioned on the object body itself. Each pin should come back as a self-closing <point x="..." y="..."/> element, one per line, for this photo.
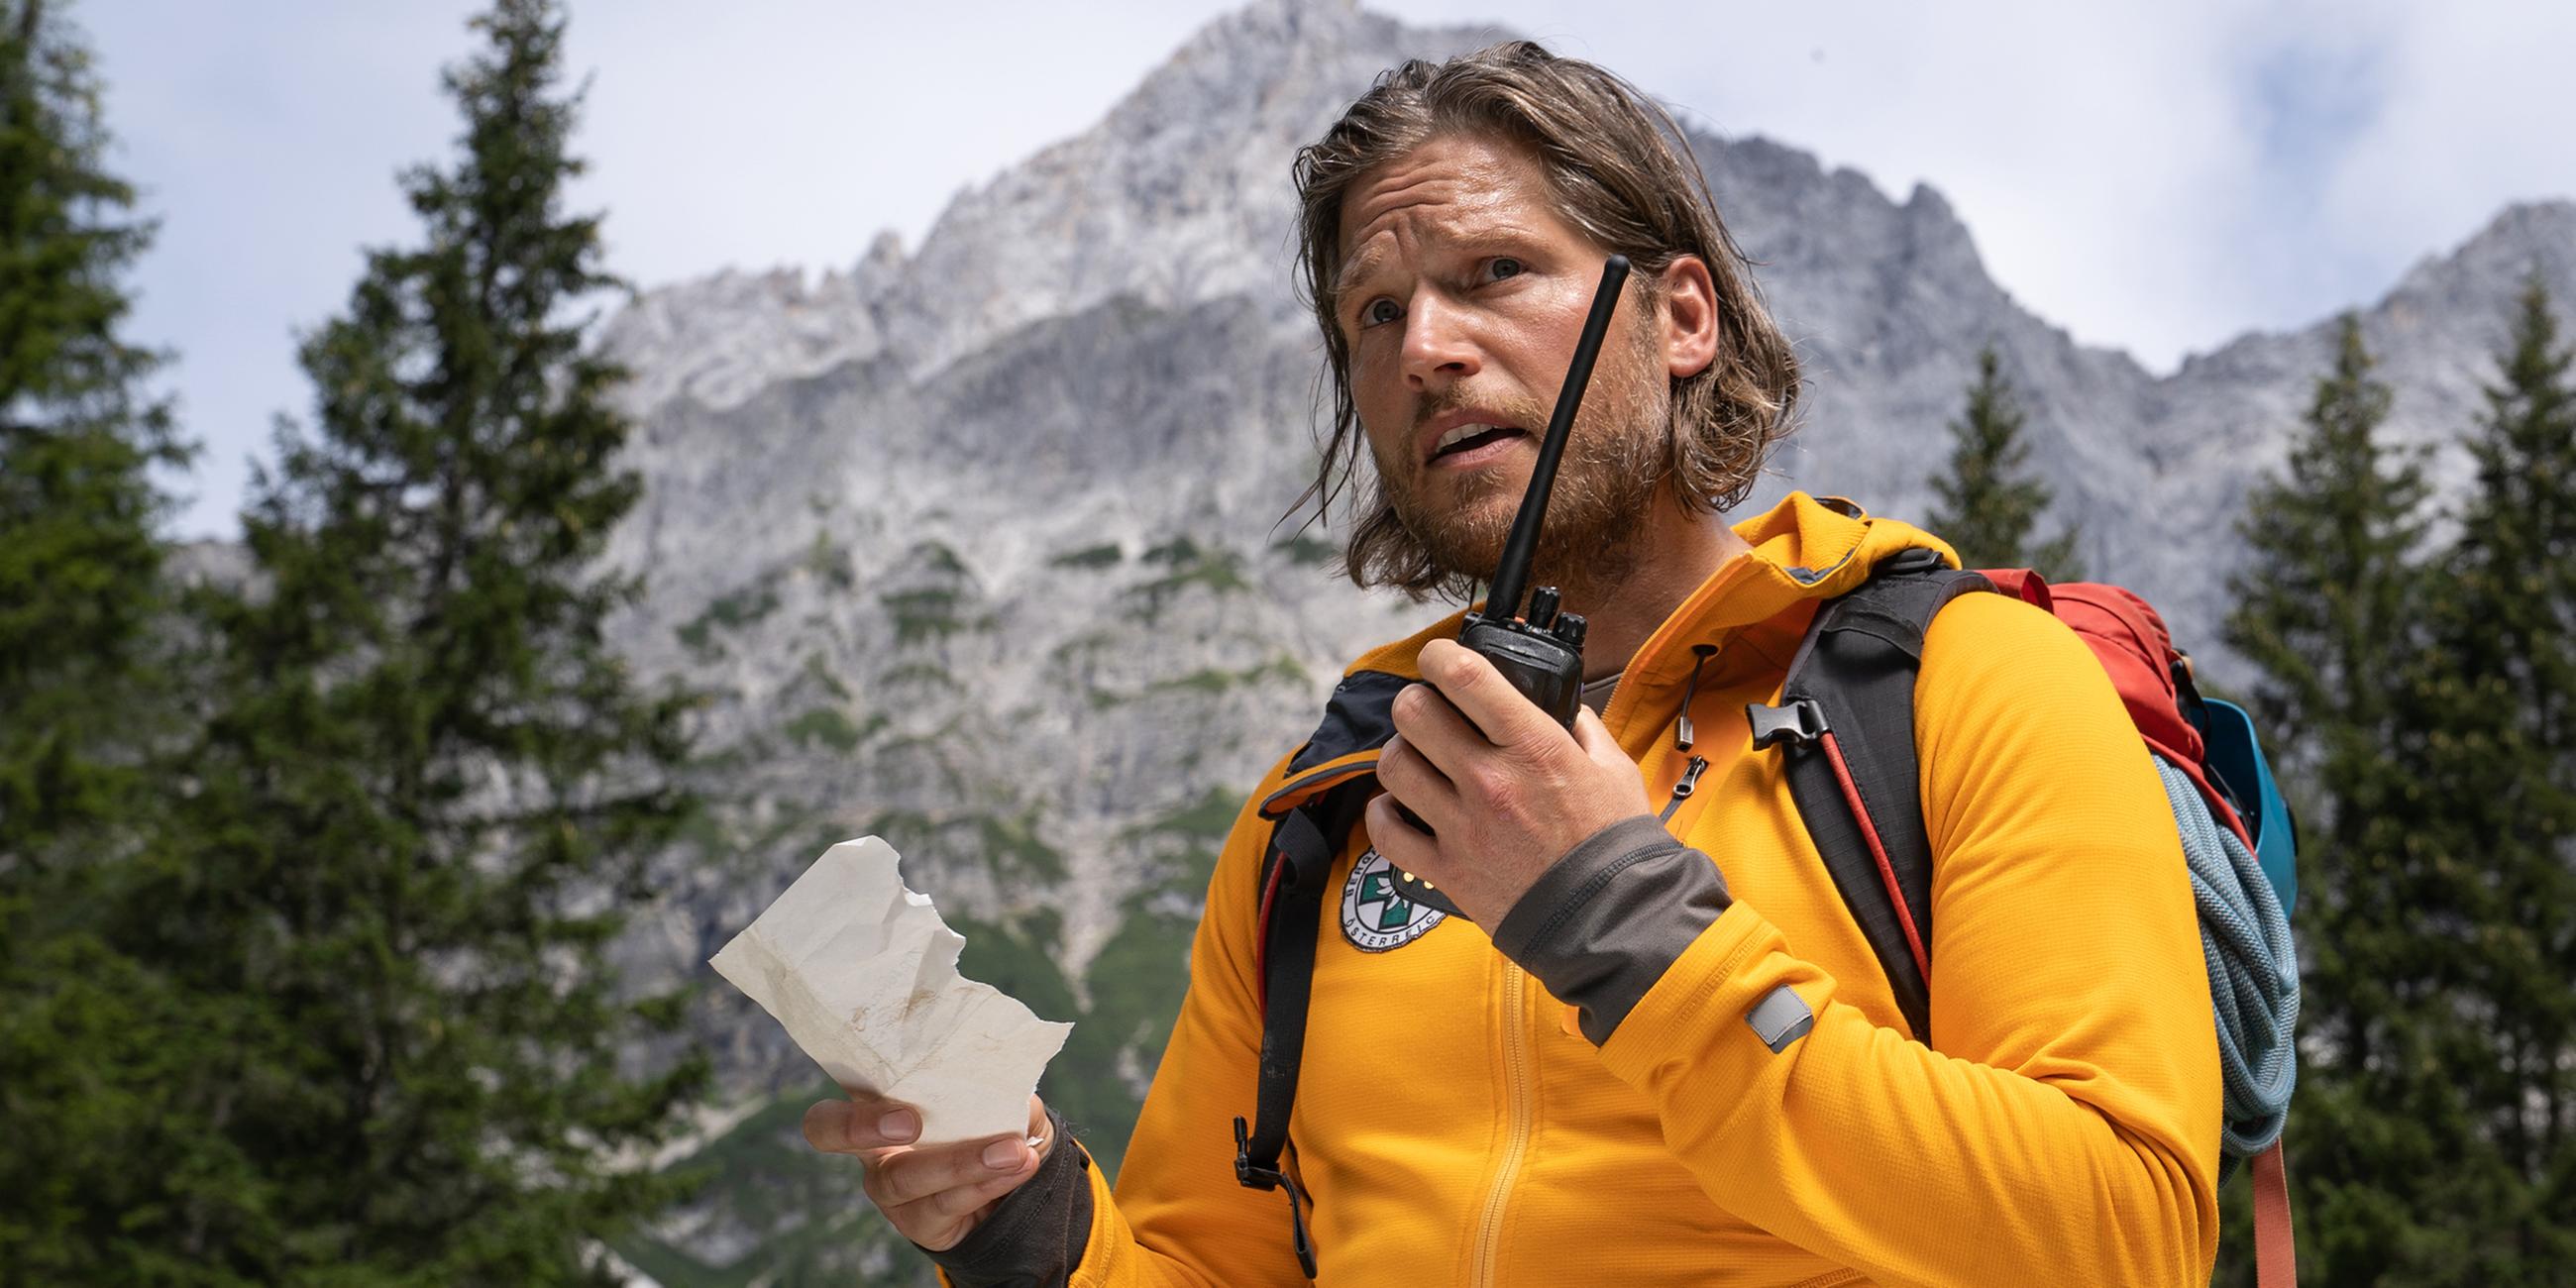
<point x="1799" y="723"/>
<point x="1271" y="1178"/>
<point x="1245" y="1174"/>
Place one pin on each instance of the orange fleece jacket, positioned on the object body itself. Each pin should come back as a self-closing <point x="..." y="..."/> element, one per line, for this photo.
<point x="1453" y="1126"/>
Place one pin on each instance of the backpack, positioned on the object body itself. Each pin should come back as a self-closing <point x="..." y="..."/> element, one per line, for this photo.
<point x="1845" y="725"/>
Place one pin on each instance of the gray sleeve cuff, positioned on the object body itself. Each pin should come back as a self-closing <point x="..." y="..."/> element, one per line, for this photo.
<point x="1607" y="920"/>
<point x="1036" y="1234"/>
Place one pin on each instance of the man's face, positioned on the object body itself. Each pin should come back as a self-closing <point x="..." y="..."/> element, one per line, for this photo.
<point x="1462" y="294"/>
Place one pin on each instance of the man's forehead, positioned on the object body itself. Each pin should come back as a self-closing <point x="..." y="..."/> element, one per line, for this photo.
<point x="1369" y="256"/>
<point x="1479" y="186"/>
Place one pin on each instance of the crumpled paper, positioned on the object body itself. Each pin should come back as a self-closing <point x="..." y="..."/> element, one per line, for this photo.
<point x="863" y="974"/>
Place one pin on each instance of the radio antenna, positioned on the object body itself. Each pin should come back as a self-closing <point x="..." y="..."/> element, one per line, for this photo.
<point x="1511" y="576"/>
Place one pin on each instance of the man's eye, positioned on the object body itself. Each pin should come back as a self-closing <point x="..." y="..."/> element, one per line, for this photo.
<point x="1379" y="310"/>
<point x="1504" y="266"/>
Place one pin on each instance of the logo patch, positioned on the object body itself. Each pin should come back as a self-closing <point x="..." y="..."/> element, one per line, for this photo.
<point x="1374" y="917"/>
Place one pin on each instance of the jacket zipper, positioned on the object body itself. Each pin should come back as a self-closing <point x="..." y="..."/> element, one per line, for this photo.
<point x="1516" y="1085"/>
<point x="1689" y="783"/>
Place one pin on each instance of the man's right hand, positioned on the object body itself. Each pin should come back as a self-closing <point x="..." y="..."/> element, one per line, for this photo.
<point x="934" y="1194"/>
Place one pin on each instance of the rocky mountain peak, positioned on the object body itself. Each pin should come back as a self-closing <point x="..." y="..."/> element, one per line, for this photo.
<point x="974" y="545"/>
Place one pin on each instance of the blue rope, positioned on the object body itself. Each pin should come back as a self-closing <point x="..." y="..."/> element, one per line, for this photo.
<point x="2253" y="971"/>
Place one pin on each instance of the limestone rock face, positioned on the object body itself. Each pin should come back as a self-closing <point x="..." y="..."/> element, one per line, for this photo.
<point x="977" y="546"/>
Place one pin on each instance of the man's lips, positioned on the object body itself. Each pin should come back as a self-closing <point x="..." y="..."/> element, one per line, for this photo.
<point x="1475" y="422"/>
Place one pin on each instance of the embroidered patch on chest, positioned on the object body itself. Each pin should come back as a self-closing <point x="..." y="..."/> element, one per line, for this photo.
<point x="1374" y="917"/>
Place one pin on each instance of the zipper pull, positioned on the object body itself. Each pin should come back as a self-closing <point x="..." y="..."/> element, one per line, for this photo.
<point x="1683" y="735"/>
<point x="1683" y="789"/>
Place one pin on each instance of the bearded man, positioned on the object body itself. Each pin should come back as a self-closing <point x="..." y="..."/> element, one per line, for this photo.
<point x="1653" y="1048"/>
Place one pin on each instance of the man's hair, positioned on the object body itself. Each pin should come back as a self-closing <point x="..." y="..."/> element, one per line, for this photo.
<point x="1619" y="171"/>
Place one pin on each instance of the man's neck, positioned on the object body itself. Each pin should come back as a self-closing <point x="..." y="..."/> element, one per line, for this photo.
<point x="1677" y="553"/>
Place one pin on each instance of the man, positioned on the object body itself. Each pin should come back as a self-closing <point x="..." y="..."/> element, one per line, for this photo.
<point x="1568" y="1090"/>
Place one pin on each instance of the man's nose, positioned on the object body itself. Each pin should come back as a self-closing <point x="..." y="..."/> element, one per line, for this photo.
<point x="1437" y="348"/>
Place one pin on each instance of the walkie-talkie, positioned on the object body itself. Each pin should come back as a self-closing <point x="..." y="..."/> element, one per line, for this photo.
<point x="1542" y="654"/>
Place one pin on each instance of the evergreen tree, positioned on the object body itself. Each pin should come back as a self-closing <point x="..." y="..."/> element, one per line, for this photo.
<point x="2328" y="611"/>
<point x="87" y="1034"/>
<point x="79" y="563"/>
<point x="427" y="786"/>
<point x="1988" y="506"/>
<point x="2495" y="711"/>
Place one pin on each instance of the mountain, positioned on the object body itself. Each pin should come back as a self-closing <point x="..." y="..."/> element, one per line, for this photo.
<point x="978" y="546"/>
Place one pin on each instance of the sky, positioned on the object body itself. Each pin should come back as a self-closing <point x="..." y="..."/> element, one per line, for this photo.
<point x="2157" y="176"/>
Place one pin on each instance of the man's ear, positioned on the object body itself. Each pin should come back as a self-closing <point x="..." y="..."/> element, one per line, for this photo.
<point x="1688" y="316"/>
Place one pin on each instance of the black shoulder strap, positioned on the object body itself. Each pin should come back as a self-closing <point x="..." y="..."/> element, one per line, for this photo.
<point x="1294" y="874"/>
<point x="1846" y="716"/>
<point x="1292" y="895"/>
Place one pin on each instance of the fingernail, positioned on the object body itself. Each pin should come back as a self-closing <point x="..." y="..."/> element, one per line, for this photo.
<point x="899" y="1126"/>
<point x="1003" y="1155"/>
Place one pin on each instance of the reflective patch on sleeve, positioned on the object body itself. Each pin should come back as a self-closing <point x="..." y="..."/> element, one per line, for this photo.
<point x="1780" y="1018"/>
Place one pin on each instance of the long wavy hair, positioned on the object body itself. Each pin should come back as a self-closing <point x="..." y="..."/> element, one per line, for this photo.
<point x="1619" y="170"/>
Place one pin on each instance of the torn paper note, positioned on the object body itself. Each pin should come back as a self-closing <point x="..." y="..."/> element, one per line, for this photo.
<point x="863" y="974"/>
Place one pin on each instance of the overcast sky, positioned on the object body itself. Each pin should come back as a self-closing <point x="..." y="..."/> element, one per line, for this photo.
<point x="2155" y="175"/>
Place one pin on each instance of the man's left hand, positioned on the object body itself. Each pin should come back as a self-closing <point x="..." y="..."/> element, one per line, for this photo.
<point x="1505" y="788"/>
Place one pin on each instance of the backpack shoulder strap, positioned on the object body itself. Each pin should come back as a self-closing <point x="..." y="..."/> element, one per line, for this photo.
<point x="1294" y="874"/>
<point x="1291" y="917"/>
<point x="1294" y="871"/>
<point x="1846" y="723"/>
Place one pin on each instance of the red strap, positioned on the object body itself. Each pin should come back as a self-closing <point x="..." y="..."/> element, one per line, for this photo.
<point x="1261" y="933"/>
<point x="1878" y="851"/>
<point x="2276" y="1261"/>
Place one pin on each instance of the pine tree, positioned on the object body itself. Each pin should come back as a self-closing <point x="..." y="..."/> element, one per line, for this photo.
<point x="2495" y="710"/>
<point x="1988" y="506"/>
<point x="2328" y="612"/>
<point x="2323" y="609"/>
<point x="88" y="1036"/>
<point x="428" y="786"/>
<point x="79" y="561"/>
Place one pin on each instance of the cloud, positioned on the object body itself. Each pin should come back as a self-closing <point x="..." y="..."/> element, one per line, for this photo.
<point x="2157" y="175"/>
<point x="265" y="143"/>
<point x="2476" y="113"/>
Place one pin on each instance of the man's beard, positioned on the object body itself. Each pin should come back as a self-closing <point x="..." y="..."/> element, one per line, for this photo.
<point x="1617" y="456"/>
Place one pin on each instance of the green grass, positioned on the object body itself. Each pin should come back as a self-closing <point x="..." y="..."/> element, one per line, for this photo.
<point x="745" y="606"/>
<point x="926" y="614"/>
<point x="930" y="673"/>
<point x="1209" y="817"/>
<point x="1308" y="550"/>
<point x="1089" y="642"/>
<point x="1217" y="571"/>
<point x="829" y="562"/>
<point x="1010" y="846"/>
<point x="1180" y="551"/>
<point x="1211" y="680"/>
<point x="938" y="557"/>
<point x="729" y="612"/>
<point x="822" y="675"/>
<point x="1100" y="556"/>
<point x="824" y="725"/>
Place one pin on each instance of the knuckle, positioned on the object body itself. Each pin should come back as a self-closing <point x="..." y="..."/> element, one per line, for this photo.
<point x="824" y="1129"/>
<point x="963" y="1200"/>
<point x="1467" y="673"/>
<point x="897" y="1180"/>
<point x="915" y="1221"/>
<point x="1412" y="702"/>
